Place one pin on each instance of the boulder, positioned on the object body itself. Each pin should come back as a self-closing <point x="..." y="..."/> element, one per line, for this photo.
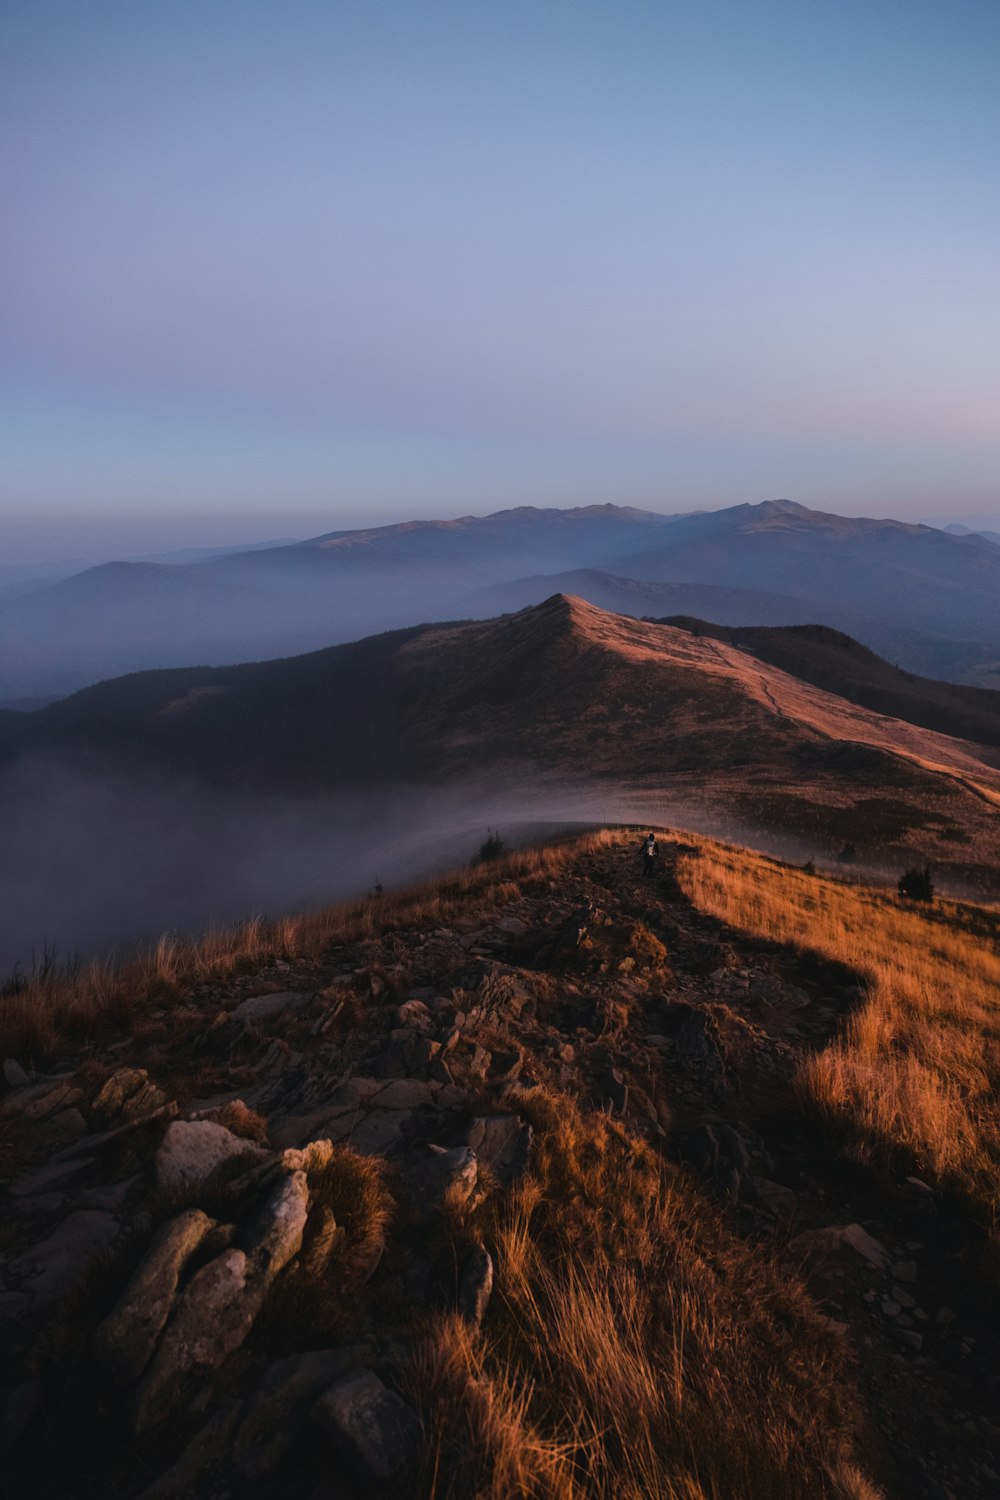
<point x="14" y="1075"/>
<point x="444" y="1174"/>
<point x="213" y="1316"/>
<point x="192" y="1151"/>
<point x="39" y="1100"/>
<point x="127" y="1094"/>
<point x="276" y="1235"/>
<point x="265" y="1007"/>
<point x="817" y="1245"/>
<point x="217" y="1309"/>
<point x="125" y="1341"/>
<point x="207" y="1449"/>
<point x="502" y="1143"/>
<point x="375" y="1429"/>
<point x="275" y="1414"/>
<point x="54" y="1267"/>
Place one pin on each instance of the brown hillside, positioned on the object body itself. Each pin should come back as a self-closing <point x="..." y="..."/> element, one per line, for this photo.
<point x="566" y="693"/>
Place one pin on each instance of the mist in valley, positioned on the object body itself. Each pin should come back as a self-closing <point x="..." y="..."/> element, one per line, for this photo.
<point x="91" y="865"/>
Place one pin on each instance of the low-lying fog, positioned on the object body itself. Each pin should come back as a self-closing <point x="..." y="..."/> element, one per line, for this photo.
<point x="89" y="866"/>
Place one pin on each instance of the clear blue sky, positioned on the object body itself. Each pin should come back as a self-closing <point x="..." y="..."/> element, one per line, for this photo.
<point x="270" y="266"/>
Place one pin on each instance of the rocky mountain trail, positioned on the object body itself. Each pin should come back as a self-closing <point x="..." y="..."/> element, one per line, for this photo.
<point x="223" y="1235"/>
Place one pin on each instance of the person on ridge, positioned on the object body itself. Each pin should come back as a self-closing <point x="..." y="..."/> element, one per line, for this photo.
<point x="649" y="855"/>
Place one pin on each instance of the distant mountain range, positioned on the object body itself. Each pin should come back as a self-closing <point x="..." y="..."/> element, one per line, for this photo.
<point x="927" y="599"/>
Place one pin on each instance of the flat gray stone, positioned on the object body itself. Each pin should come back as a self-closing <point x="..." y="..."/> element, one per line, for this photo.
<point x="193" y="1150"/>
<point x="44" y="1179"/>
<point x="266" y="1007"/>
<point x="54" y="1267"/>
<point x="374" y="1428"/>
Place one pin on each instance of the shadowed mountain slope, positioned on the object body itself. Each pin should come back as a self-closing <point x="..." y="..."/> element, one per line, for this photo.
<point x="833" y="661"/>
<point x="564" y="692"/>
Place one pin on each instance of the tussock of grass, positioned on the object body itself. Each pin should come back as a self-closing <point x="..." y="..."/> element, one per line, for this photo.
<point x="41" y="1016"/>
<point x="350" y="1208"/>
<point x="633" y="1347"/>
<point x="917" y="1068"/>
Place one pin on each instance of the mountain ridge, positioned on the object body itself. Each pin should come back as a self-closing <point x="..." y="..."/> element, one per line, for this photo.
<point x="930" y="598"/>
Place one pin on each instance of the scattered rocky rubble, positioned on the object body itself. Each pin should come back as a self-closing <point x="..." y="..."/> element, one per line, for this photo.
<point x="153" y="1252"/>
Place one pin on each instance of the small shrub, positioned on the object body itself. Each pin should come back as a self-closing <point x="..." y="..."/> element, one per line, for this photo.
<point x="916" y="884"/>
<point x="491" y="849"/>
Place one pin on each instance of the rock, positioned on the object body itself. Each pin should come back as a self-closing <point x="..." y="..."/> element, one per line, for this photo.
<point x="212" y="1317"/>
<point x="909" y="1339"/>
<point x="276" y="1235"/>
<point x="816" y="1245"/>
<point x="734" y="1147"/>
<point x="505" y="1065"/>
<point x="192" y="1151"/>
<point x="905" y="1270"/>
<point x="62" y="1129"/>
<point x="701" y="1147"/>
<point x="890" y="1308"/>
<point x="778" y="1200"/>
<point x="14" y="1075"/>
<point x="125" y="1341"/>
<point x="205" y="1450"/>
<point x="44" y="1179"/>
<point x="275" y="1414"/>
<point x="415" y="1013"/>
<point x="443" y="1174"/>
<point x="265" y="1007"/>
<point x="111" y="1197"/>
<point x="903" y="1298"/>
<point x="39" y="1100"/>
<point x="217" y="1309"/>
<point x="127" y="1093"/>
<point x="475" y="1286"/>
<point x="373" y="1427"/>
<point x="53" y="1268"/>
<point x="503" y="994"/>
<point x="697" y="1042"/>
<point x="502" y="1143"/>
<point x="511" y="926"/>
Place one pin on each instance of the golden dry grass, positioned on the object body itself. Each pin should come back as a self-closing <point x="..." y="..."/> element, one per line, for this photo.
<point x="634" y="1348"/>
<point x="917" y="1067"/>
<point x="41" y="1016"/>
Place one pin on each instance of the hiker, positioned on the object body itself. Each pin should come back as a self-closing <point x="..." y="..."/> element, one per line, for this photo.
<point x="649" y="855"/>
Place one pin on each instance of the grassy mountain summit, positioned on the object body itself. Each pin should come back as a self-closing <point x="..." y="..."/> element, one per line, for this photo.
<point x="565" y="694"/>
<point x="567" y="1177"/>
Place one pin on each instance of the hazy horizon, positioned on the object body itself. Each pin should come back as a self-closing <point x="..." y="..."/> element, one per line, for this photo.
<point x="270" y="272"/>
<point x="65" y="543"/>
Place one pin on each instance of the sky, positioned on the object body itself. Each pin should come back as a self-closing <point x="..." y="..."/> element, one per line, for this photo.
<point x="273" y="268"/>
